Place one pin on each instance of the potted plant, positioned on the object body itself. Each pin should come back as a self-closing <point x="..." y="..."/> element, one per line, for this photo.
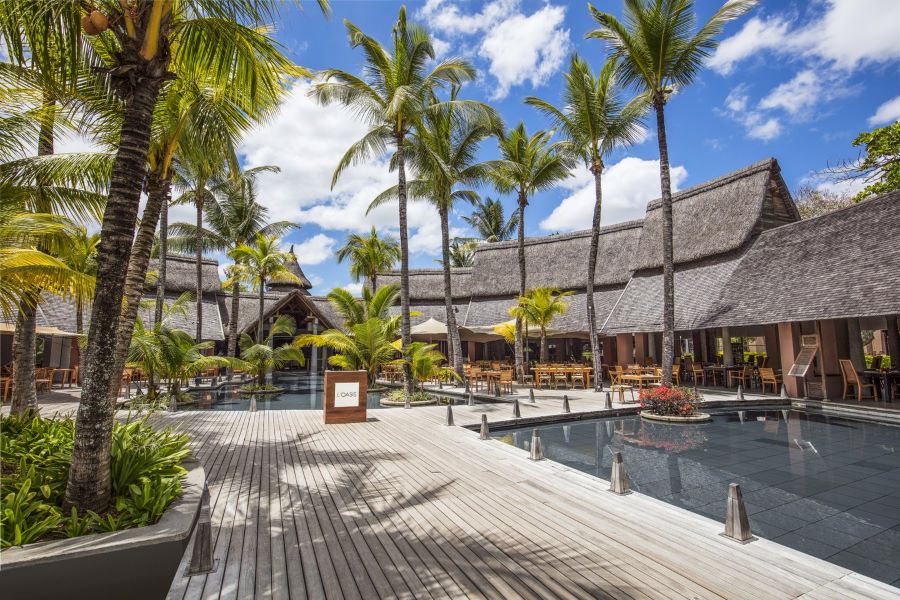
<point x="672" y="404"/>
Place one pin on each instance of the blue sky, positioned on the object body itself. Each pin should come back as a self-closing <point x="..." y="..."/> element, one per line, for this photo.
<point x="793" y="80"/>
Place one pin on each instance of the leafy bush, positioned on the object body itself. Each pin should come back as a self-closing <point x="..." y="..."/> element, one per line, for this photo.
<point x="417" y="396"/>
<point x="669" y="401"/>
<point x="36" y="453"/>
<point x="885" y="361"/>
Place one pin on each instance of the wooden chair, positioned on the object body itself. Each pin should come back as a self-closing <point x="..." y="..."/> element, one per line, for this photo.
<point x="578" y="377"/>
<point x="6" y="387"/>
<point x="621" y="389"/>
<point x="615" y="374"/>
<point x="698" y="374"/>
<point x="676" y="374"/>
<point x="744" y="376"/>
<point x="768" y="377"/>
<point x="43" y="378"/>
<point x="506" y="380"/>
<point x="851" y="378"/>
<point x="560" y="376"/>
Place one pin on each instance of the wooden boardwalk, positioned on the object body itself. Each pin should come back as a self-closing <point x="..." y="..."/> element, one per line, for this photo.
<point x="406" y="507"/>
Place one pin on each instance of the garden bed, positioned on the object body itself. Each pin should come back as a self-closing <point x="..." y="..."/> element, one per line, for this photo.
<point x="694" y="418"/>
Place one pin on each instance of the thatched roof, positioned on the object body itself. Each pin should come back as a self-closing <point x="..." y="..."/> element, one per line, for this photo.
<point x="294" y="268"/>
<point x="248" y="309"/>
<point x="428" y="284"/>
<point x="718" y="216"/>
<point x="181" y="274"/>
<point x="840" y="265"/>
<point x="54" y="311"/>
<point x="433" y="310"/>
<point x="697" y="288"/>
<point x="187" y="322"/>
<point x="555" y="261"/>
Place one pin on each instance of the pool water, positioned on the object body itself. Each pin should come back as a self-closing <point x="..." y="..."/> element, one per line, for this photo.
<point x="826" y="486"/>
<point x="302" y="392"/>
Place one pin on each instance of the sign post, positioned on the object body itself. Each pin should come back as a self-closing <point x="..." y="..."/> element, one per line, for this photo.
<point x="345" y="397"/>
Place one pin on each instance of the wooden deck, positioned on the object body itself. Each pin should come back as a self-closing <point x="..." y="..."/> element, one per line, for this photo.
<point x="406" y="507"/>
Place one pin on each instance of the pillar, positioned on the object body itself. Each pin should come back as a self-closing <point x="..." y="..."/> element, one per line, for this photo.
<point x="624" y="349"/>
<point x="609" y="350"/>
<point x="728" y="356"/>
<point x="893" y="339"/>
<point x="854" y="343"/>
<point x="471" y="354"/>
<point x="652" y="348"/>
<point x="789" y="347"/>
<point x="771" y="337"/>
<point x="831" y="333"/>
<point x="640" y="348"/>
<point x="704" y="353"/>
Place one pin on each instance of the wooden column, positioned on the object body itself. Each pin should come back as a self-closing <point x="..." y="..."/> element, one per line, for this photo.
<point x="832" y="334"/>
<point x="854" y="345"/>
<point x="771" y="337"/>
<point x="728" y="356"/>
<point x="893" y="339"/>
<point x="471" y="355"/>
<point x="640" y="347"/>
<point x="789" y="346"/>
<point x="609" y="350"/>
<point x="624" y="349"/>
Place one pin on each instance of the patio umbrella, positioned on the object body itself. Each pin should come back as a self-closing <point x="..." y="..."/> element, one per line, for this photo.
<point x="429" y="329"/>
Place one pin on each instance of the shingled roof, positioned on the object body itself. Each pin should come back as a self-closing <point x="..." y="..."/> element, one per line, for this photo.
<point x="843" y="264"/>
<point x="181" y="274"/>
<point x="718" y="216"/>
<point x="558" y="261"/>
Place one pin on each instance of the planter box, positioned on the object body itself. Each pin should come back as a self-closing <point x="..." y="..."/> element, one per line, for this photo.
<point x="135" y="563"/>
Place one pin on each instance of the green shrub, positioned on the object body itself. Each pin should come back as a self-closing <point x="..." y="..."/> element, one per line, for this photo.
<point x="417" y="396"/>
<point x="145" y="467"/>
<point x="885" y="361"/>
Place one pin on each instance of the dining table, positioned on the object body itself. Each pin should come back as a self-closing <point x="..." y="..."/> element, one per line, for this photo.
<point x="585" y="373"/>
<point x="65" y="377"/>
<point x="884" y="380"/>
<point x="642" y="380"/>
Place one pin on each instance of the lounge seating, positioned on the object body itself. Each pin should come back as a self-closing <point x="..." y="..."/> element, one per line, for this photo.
<point x="767" y="376"/>
<point x="851" y="379"/>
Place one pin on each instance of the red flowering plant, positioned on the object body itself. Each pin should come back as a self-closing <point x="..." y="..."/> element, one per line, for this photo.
<point x="669" y="401"/>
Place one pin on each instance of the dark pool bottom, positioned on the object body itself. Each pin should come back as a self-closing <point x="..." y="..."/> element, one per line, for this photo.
<point x="826" y="486"/>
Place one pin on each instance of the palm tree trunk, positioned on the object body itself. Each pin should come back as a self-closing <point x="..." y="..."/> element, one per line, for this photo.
<point x="163" y="255"/>
<point x="25" y="349"/>
<point x="137" y="273"/>
<point x="544" y="350"/>
<point x="374" y="281"/>
<point x="405" y="334"/>
<point x="519" y="342"/>
<point x="668" y="349"/>
<point x="262" y="308"/>
<point x="233" y="324"/>
<point x="454" y="349"/>
<point x="88" y="485"/>
<point x="597" y="170"/>
<point x="79" y="314"/>
<point x="198" y="247"/>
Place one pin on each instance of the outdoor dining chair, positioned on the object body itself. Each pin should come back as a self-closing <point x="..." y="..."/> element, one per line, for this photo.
<point x="676" y="374"/>
<point x="43" y="378"/>
<point x="698" y="373"/>
<point x="851" y="379"/>
<point x="767" y="376"/>
<point x="744" y="376"/>
<point x="578" y="377"/>
<point x="560" y="376"/>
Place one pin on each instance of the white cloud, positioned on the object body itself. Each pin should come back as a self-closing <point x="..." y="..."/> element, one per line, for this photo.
<point x="757" y="126"/>
<point x="825" y="182"/>
<point x="354" y="288"/>
<point x="886" y="113"/>
<point x="315" y="250"/>
<point x="518" y="48"/>
<point x="848" y="34"/>
<point x="307" y="141"/>
<point x="764" y="130"/>
<point x="628" y="186"/>
<point x="314" y="279"/>
<point x="800" y="96"/>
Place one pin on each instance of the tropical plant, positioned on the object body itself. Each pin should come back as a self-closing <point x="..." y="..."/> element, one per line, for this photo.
<point x="659" y="51"/>
<point x="489" y="221"/>
<point x="442" y="150"/>
<point x="369" y="255"/>
<point x="371" y="306"/>
<point x="538" y="308"/>
<point x="365" y="346"/>
<point x="144" y="351"/>
<point x="263" y="262"/>
<point x="392" y="97"/>
<point x="260" y="357"/>
<point x="527" y="165"/>
<point x="426" y="362"/>
<point x="594" y="121"/>
<point x="233" y="217"/>
<point x="879" y="169"/>
<point x="81" y="256"/>
<point x="461" y="253"/>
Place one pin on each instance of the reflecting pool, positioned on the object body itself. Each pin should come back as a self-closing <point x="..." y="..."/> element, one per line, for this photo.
<point x="824" y="485"/>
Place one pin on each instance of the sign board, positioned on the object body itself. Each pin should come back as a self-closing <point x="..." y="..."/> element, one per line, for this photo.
<point x="809" y="344"/>
<point x="345" y="397"/>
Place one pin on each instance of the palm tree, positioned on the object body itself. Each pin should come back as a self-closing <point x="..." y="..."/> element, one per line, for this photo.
<point x="258" y="358"/>
<point x="141" y="41"/>
<point x="264" y="262"/>
<point x="372" y="306"/>
<point x="527" y="165"/>
<point x="490" y="222"/>
<point x="462" y="253"/>
<point x="369" y="256"/>
<point x="81" y="256"/>
<point x="365" y="346"/>
<point x="594" y="121"/>
<point x="443" y="151"/>
<point x="425" y="362"/>
<point x="391" y="97"/>
<point x="233" y="217"/>
<point x="659" y="52"/>
<point x="539" y="307"/>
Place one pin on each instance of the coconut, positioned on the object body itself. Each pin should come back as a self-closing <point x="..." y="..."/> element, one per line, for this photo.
<point x="88" y="26"/>
<point x="99" y="20"/>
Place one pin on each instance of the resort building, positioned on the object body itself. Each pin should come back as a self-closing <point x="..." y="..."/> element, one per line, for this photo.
<point x="746" y="266"/>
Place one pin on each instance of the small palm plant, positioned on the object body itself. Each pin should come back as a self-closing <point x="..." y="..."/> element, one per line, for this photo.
<point x="258" y="358"/>
<point x="539" y="307"/>
<point x="426" y="362"/>
<point x="366" y="346"/>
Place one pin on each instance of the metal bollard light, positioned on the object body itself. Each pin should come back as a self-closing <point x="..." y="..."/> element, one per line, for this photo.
<point x="517" y="412"/>
<point x="468" y="390"/>
<point x="407" y="403"/>
<point x="252" y="403"/>
<point x="537" y="452"/>
<point x="737" y="525"/>
<point x="531" y="395"/>
<point x="202" y="555"/>
<point x="497" y="390"/>
<point x="618" y="481"/>
<point x="608" y="403"/>
<point x="471" y="400"/>
<point x="485" y="430"/>
<point x="566" y="408"/>
<point x="784" y="395"/>
<point x="449" y="415"/>
<point x="740" y="393"/>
